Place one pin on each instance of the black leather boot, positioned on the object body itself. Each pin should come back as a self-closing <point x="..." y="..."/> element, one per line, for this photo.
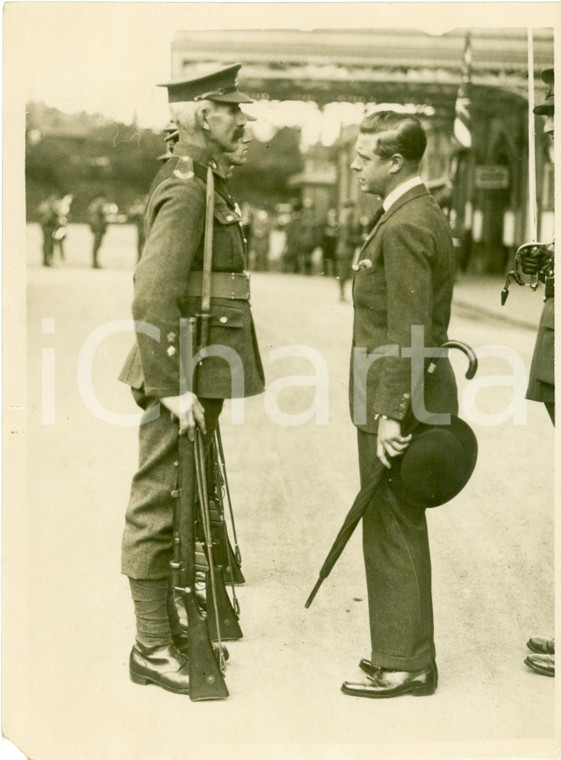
<point x="161" y="665"/>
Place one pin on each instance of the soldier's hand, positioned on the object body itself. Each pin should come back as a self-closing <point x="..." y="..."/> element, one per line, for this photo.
<point x="390" y="441"/>
<point x="531" y="258"/>
<point x="189" y="412"/>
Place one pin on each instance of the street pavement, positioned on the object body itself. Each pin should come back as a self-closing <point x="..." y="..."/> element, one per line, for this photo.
<point x="293" y="475"/>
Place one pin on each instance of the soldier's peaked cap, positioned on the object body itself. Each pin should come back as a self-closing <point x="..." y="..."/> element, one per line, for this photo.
<point x="220" y="86"/>
<point x="546" y="108"/>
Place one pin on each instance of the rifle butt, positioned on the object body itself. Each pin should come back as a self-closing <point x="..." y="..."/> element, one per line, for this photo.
<point x="206" y="680"/>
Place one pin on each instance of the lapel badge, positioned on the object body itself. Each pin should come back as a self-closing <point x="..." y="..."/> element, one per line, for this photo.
<point x="171" y="351"/>
<point x="171" y="337"/>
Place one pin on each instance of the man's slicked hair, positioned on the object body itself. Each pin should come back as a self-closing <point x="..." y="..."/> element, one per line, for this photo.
<point x="404" y="134"/>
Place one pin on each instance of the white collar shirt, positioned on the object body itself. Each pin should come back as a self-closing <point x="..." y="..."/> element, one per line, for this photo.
<point x="400" y="190"/>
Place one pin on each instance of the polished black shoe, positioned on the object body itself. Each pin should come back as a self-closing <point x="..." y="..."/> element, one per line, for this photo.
<point x="541" y="645"/>
<point x="544" y="664"/>
<point x="384" y="682"/>
<point x="161" y="665"/>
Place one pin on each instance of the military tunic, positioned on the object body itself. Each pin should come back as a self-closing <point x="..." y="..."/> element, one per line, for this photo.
<point x="163" y="293"/>
<point x="541" y="385"/>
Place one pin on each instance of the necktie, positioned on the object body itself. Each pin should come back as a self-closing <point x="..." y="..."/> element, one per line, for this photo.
<point x="375" y="218"/>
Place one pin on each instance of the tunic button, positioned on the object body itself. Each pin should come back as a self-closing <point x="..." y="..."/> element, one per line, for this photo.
<point x="230" y="218"/>
<point x="223" y="320"/>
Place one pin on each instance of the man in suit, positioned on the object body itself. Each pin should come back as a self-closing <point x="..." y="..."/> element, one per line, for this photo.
<point x="404" y="280"/>
<point x="541" y="386"/>
<point x="167" y="287"/>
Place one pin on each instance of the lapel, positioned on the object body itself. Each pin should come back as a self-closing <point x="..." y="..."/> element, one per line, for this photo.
<point x="416" y="192"/>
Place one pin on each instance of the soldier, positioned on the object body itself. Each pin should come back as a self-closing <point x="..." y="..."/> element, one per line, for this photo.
<point x="97" y="219"/>
<point x="350" y="237"/>
<point x="168" y="282"/>
<point x="404" y="278"/>
<point x="541" y="387"/>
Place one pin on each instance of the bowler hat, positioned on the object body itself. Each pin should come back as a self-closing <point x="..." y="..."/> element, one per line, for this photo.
<point x="438" y="462"/>
<point x="546" y="108"/>
<point x="220" y="86"/>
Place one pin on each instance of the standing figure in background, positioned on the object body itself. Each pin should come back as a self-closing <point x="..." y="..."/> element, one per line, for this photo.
<point x="47" y="220"/>
<point x="62" y="212"/>
<point x="260" y="240"/>
<point x="289" y="261"/>
<point x="541" y="386"/>
<point x="350" y="237"/>
<point x="308" y="238"/>
<point x="136" y="217"/>
<point x="329" y="242"/>
<point x="247" y="219"/>
<point x="97" y="219"/>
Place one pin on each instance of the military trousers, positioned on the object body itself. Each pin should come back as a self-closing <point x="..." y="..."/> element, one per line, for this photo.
<point x="398" y="572"/>
<point x="147" y="545"/>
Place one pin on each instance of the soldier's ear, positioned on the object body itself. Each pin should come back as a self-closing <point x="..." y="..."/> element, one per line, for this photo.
<point x="202" y="118"/>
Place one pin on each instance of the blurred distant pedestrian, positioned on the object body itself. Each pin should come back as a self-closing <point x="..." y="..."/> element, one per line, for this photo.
<point x="61" y="208"/>
<point x="97" y="219"/>
<point x="260" y="240"/>
<point x="136" y="217"/>
<point x="53" y="216"/>
<point x="308" y="238"/>
<point x="290" y="261"/>
<point x="47" y="220"/>
<point x="329" y="243"/>
<point x="247" y="222"/>
<point x="350" y="237"/>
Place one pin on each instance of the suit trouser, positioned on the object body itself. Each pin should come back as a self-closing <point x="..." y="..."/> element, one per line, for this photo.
<point x="147" y="546"/>
<point x="398" y="572"/>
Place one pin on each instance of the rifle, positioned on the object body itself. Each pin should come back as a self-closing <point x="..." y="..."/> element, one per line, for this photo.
<point x="226" y="556"/>
<point x="221" y="616"/>
<point x="206" y="676"/>
<point x="206" y="667"/>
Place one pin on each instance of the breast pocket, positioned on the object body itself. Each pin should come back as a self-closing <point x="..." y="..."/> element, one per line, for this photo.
<point x="227" y="246"/>
<point x="369" y="290"/>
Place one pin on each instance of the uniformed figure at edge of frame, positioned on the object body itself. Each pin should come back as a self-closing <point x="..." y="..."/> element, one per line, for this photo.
<point x="167" y="287"/>
<point x="539" y="260"/>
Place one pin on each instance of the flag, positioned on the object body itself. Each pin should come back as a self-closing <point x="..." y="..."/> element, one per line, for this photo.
<point x="462" y="122"/>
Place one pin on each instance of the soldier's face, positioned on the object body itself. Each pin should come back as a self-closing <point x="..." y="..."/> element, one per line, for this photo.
<point x="373" y="171"/>
<point x="226" y="123"/>
<point x="238" y="157"/>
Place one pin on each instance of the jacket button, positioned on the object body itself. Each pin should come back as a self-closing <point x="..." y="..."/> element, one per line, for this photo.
<point x="223" y="320"/>
<point x="230" y="218"/>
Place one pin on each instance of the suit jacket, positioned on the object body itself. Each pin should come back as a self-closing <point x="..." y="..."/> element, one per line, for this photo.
<point x="175" y="221"/>
<point x="409" y="283"/>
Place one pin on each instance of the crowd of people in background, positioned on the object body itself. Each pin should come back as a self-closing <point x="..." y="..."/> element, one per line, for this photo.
<point x="294" y="240"/>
